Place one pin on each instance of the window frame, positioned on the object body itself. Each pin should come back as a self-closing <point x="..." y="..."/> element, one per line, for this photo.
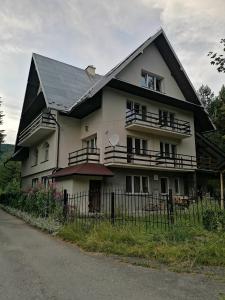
<point x="35" y="157"/>
<point x="168" y="185"/>
<point x="146" y="78"/>
<point x="142" y="143"/>
<point x="141" y="192"/>
<point x="34" y="182"/>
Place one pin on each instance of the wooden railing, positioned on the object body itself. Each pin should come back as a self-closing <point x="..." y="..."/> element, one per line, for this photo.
<point x="43" y="119"/>
<point x="151" y="158"/>
<point x="154" y="120"/>
<point x="84" y="155"/>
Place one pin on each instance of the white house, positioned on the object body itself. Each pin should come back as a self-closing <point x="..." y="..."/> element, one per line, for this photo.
<point x="134" y="127"/>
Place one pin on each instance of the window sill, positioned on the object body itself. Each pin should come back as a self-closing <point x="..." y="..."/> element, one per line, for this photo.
<point x="34" y="165"/>
<point x="146" y="88"/>
<point x="44" y="161"/>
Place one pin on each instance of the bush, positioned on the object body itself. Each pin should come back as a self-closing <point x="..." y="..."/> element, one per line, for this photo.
<point x="214" y="220"/>
<point x="38" y="201"/>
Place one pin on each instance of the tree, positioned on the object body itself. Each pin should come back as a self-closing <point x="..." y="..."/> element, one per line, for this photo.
<point x="206" y="95"/>
<point x="2" y="135"/>
<point x="218" y="59"/>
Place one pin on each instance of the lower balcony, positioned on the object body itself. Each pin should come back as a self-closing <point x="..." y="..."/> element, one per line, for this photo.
<point x="118" y="156"/>
<point x="38" y="129"/>
<point x="84" y="155"/>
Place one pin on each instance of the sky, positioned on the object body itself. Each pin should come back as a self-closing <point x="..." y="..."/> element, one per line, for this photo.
<point x="102" y="33"/>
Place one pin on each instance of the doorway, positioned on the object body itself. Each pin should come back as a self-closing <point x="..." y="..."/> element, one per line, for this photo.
<point x="94" y="196"/>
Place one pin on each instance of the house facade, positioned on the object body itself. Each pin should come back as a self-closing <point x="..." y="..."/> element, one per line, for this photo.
<point x="133" y="128"/>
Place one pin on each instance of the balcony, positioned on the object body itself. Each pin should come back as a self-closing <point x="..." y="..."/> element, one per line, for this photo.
<point x="85" y="155"/>
<point x="38" y="129"/>
<point x="207" y="163"/>
<point x="147" y="159"/>
<point x="151" y="123"/>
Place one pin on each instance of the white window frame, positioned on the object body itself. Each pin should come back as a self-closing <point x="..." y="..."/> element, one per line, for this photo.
<point x="46" y="151"/>
<point x="170" y="149"/>
<point x="148" y="75"/>
<point x="141" y="185"/>
<point x="141" y="144"/>
<point x="34" y="182"/>
<point x="88" y="141"/>
<point x="168" y="185"/>
<point x="35" y="157"/>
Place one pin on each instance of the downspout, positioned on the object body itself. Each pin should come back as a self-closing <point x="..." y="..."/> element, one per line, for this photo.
<point x="58" y="139"/>
<point x="221" y="191"/>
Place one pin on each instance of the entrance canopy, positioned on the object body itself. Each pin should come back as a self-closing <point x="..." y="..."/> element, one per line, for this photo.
<point x="83" y="169"/>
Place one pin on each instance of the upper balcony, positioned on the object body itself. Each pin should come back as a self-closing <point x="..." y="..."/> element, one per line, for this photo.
<point x="37" y="130"/>
<point x="118" y="156"/>
<point x="152" y="123"/>
<point x="84" y="155"/>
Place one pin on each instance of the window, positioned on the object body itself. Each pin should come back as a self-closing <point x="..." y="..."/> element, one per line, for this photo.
<point x="34" y="182"/>
<point x="166" y="118"/>
<point x="46" y="151"/>
<point x="128" y="184"/>
<point x="164" y="185"/>
<point x="168" y="150"/>
<point x="91" y="144"/>
<point x="151" y="81"/>
<point x="177" y="186"/>
<point x="44" y="181"/>
<point x="136" y="109"/>
<point x="137" y="184"/>
<point x="137" y="146"/>
<point x="35" y="157"/>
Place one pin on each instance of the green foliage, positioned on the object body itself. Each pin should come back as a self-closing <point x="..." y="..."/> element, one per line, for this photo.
<point x="9" y="173"/>
<point x="218" y="59"/>
<point x="180" y="248"/>
<point x="38" y="201"/>
<point x="214" y="220"/>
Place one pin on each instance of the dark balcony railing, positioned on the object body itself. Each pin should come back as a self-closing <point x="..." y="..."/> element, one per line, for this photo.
<point x="154" y="120"/>
<point x="84" y="155"/>
<point x="151" y="158"/>
<point x="206" y="163"/>
<point x="42" y="120"/>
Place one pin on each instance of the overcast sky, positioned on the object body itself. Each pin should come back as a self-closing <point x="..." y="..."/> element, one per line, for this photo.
<point x="101" y="32"/>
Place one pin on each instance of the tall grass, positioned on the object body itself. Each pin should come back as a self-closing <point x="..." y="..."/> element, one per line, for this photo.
<point x="178" y="247"/>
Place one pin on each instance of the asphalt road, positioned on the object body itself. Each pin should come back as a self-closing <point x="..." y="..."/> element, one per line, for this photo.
<point x="34" y="265"/>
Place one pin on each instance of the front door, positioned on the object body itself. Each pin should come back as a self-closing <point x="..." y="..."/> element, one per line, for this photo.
<point x="94" y="195"/>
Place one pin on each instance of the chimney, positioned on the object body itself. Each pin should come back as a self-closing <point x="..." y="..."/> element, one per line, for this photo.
<point x="90" y="70"/>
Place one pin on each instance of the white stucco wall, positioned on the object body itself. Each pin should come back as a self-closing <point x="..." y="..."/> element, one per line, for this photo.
<point x="114" y="112"/>
<point x="151" y="61"/>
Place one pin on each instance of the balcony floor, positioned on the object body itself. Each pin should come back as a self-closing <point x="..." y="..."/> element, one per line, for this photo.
<point x="144" y="167"/>
<point x="142" y="127"/>
<point x="37" y="135"/>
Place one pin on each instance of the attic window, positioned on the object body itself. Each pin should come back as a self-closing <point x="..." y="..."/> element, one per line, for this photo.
<point x="151" y="81"/>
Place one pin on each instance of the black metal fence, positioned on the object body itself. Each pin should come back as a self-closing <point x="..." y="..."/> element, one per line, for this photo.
<point x="118" y="207"/>
<point x="144" y="210"/>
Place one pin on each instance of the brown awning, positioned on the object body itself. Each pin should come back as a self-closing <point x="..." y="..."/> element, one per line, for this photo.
<point x="83" y="169"/>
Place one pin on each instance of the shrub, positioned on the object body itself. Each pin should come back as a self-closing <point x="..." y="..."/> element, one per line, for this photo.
<point x="214" y="220"/>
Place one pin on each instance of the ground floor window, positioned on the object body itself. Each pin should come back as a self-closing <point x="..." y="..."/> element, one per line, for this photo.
<point x="34" y="182"/>
<point x="137" y="184"/>
<point x="44" y="181"/>
<point x="164" y="185"/>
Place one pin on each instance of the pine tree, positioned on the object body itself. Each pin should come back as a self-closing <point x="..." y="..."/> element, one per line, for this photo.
<point x="2" y="135"/>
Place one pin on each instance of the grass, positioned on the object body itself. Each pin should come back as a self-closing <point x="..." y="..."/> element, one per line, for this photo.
<point x="178" y="248"/>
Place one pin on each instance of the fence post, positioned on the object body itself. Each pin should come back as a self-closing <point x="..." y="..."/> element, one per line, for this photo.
<point x="113" y="208"/>
<point x="170" y="208"/>
<point x="65" y="205"/>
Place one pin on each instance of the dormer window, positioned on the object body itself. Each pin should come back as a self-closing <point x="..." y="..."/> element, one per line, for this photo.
<point x="151" y="81"/>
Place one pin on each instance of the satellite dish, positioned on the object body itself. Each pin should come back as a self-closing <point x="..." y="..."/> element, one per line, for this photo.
<point x="114" y="139"/>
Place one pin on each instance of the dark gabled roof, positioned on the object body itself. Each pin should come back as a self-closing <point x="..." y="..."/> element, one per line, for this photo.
<point x="169" y="55"/>
<point x="62" y="84"/>
<point x="87" y="169"/>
